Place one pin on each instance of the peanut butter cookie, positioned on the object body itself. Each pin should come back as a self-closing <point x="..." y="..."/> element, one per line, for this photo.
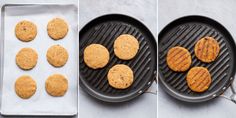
<point x="120" y="76"/>
<point x="126" y="46"/>
<point x="57" y="28"/>
<point x="25" y="87"/>
<point x="56" y="85"/>
<point x="25" y="31"/>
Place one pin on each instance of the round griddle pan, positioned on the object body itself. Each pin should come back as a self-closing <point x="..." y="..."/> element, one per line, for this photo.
<point x="185" y="32"/>
<point x="104" y="30"/>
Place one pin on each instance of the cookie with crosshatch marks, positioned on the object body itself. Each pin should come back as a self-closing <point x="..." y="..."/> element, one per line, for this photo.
<point x="178" y="59"/>
<point x="120" y="76"/>
<point x="25" y="87"/>
<point x="207" y="49"/>
<point x="57" y="28"/>
<point x="25" y="31"/>
<point x="198" y="79"/>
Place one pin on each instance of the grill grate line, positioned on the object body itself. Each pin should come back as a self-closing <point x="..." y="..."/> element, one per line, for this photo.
<point x="176" y="36"/>
<point x="216" y="81"/>
<point x="174" y="42"/>
<point x="141" y="69"/>
<point x="175" y="32"/>
<point x="90" y="35"/>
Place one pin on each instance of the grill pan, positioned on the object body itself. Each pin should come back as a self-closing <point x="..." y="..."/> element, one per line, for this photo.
<point x="185" y="32"/>
<point x="104" y="30"/>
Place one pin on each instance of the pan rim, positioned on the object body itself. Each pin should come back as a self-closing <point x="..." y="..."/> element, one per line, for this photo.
<point x="196" y="99"/>
<point x="137" y="92"/>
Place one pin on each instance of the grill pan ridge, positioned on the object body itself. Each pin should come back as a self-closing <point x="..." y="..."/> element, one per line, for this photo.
<point x="185" y="32"/>
<point x="104" y="30"/>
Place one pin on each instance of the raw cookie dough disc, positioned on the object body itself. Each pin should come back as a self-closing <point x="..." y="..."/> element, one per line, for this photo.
<point x="57" y="55"/>
<point x="56" y="85"/>
<point x="198" y="79"/>
<point x="96" y="56"/>
<point x="26" y="58"/>
<point x="178" y="59"/>
<point x="120" y="76"/>
<point x="25" y="31"/>
<point x="207" y="49"/>
<point x="126" y="46"/>
<point x="57" y="28"/>
<point x="25" y="87"/>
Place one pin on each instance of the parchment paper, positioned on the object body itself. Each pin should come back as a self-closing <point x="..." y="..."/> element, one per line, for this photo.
<point x="40" y="103"/>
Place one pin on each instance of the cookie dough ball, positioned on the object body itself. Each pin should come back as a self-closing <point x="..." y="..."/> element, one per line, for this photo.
<point x="207" y="49"/>
<point x="56" y="85"/>
<point x="57" y="55"/>
<point x="120" y="76"/>
<point x="179" y="59"/>
<point x="126" y="47"/>
<point x="96" y="56"/>
<point x="57" y="28"/>
<point x="26" y="58"/>
<point x="198" y="79"/>
<point x="25" y="31"/>
<point x="25" y="87"/>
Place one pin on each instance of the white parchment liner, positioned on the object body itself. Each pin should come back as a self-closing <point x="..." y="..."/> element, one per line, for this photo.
<point x="40" y="103"/>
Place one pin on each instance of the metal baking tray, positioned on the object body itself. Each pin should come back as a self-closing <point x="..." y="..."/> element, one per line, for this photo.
<point x="40" y="103"/>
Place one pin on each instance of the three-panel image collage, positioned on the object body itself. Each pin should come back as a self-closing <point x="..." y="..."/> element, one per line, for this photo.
<point x="117" y="59"/>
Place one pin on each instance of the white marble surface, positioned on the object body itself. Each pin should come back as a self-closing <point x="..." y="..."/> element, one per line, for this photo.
<point x="224" y="11"/>
<point x="146" y="105"/>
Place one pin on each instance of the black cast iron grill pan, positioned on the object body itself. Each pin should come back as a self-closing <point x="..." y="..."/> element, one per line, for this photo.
<point x="185" y="32"/>
<point x="104" y="30"/>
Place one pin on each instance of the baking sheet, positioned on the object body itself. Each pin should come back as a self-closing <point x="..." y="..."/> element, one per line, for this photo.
<point x="40" y="103"/>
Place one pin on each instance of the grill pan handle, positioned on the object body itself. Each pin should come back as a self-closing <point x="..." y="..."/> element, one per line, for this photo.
<point x="232" y="97"/>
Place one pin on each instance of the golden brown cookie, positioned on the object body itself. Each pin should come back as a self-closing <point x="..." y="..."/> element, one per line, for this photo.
<point x="25" y="31"/>
<point x="120" y="76"/>
<point x="126" y="46"/>
<point x="26" y="58"/>
<point x="57" y="28"/>
<point x="96" y="56"/>
<point x="178" y="59"/>
<point x="25" y="87"/>
<point x="56" y="85"/>
<point x="57" y="55"/>
<point x="207" y="49"/>
<point x="198" y="79"/>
